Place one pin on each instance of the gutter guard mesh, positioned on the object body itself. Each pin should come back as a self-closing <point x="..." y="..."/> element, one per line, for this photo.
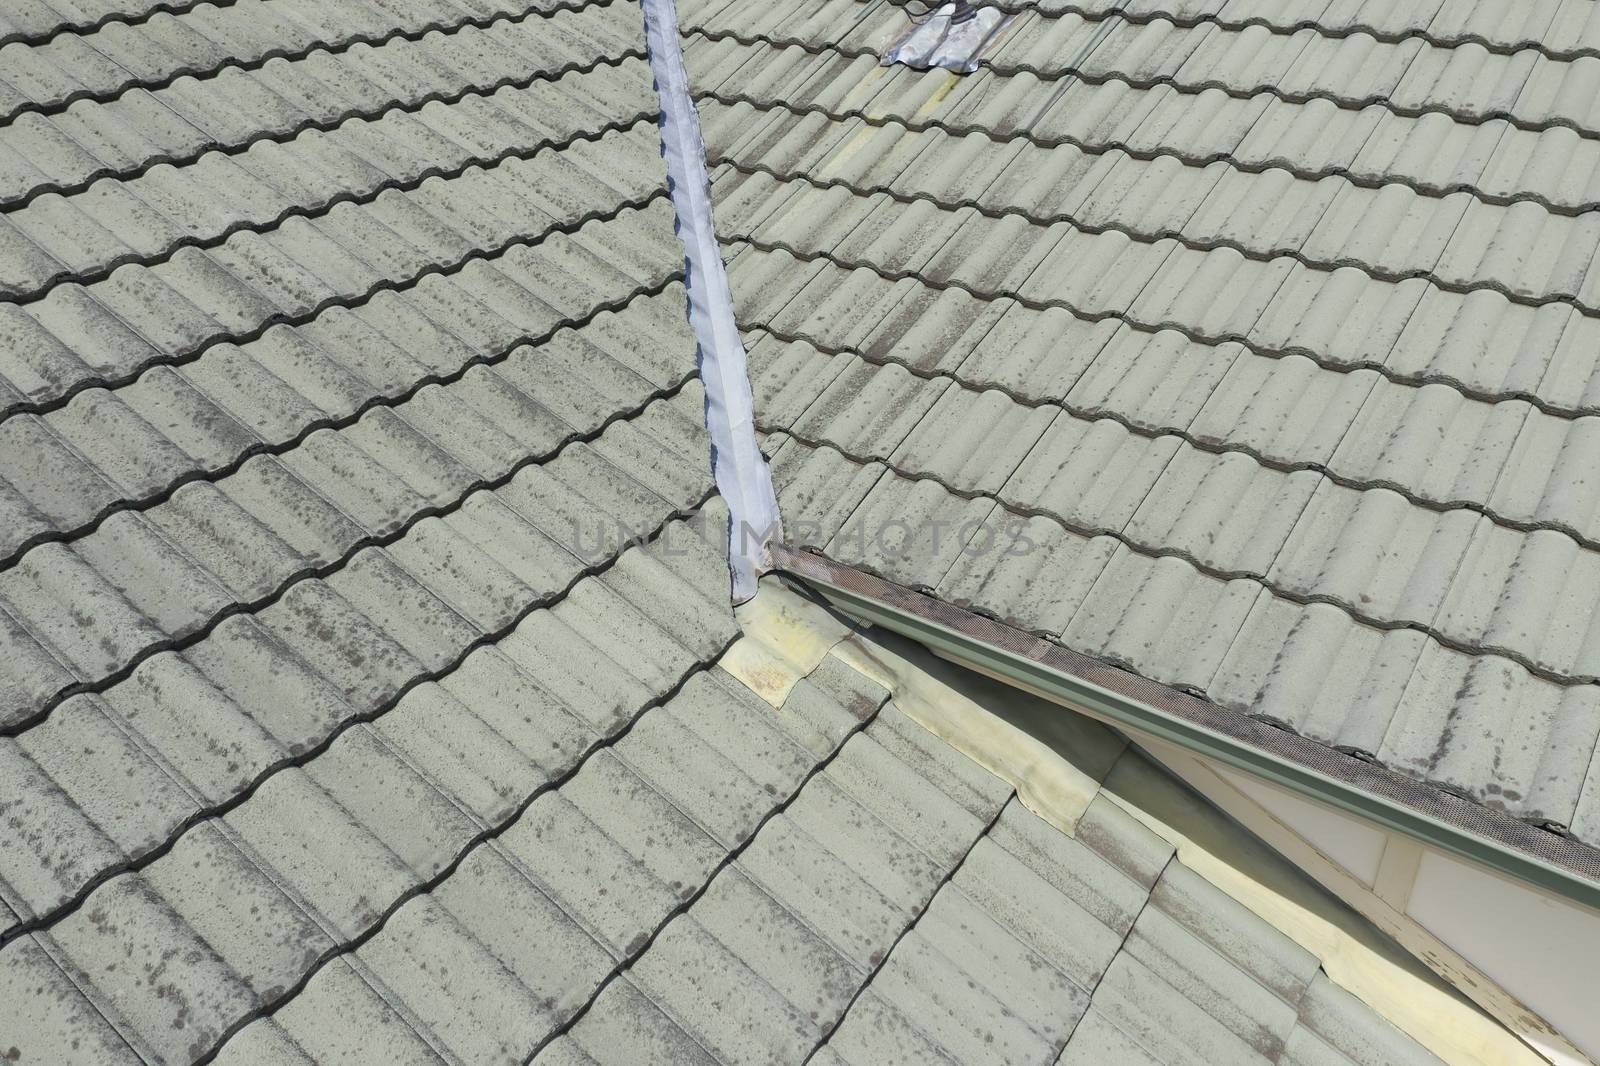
<point x="1464" y="815"/>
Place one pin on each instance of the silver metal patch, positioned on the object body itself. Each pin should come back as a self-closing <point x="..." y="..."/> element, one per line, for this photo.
<point x="951" y="37"/>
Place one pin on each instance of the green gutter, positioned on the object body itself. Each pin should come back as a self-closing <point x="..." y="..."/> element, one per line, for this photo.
<point x="1571" y="870"/>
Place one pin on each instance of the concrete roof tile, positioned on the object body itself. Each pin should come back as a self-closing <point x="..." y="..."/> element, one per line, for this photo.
<point x="208" y="740"/>
<point x="1224" y="511"/>
<point x="876" y="1032"/>
<point x="483" y="739"/>
<point x="810" y="882"/>
<point x="1099" y="1042"/>
<point x="1158" y="1016"/>
<point x="702" y="780"/>
<point x="1106" y="868"/>
<point x="85" y="797"/>
<point x="780" y="947"/>
<point x="43" y="468"/>
<point x="826" y="704"/>
<point x="1507" y="738"/>
<point x="1333" y="1017"/>
<point x="1286" y="653"/>
<point x="401" y="607"/>
<point x="1147" y="611"/>
<point x="246" y="554"/>
<point x="421" y="949"/>
<point x="1201" y="910"/>
<point x="1250" y="1012"/>
<point x="343" y="871"/>
<point x="933" y="992"/>
<point x="1065" y="932"/>
<point x="1094" y="474"/>
<point x="1034" y="575"/>
<point x="913" y="530"/>
<point x="972" y="440"/>
<point x="913" y="807"/>
<point x="719" y="998"/>
<point x="787" y="377"/>
<point x="1287" y="410"/>
<point x="626" y="1026"/>
<point x="848" y="831"/>
<point x="1376" y="550"/>
<point x="392" y="801"/>
<point x="491" y="898"/>
<point x="338" y="642"/>
<point x="131" y="927"/>
<point x="868" y="410"/>
<point x="342" y="1014"/>
<point x="154" y="573"/>
<point x="42" y="1000"/>
<point x="573" y="861"/>
<point x="977" y="790"/>
<point x="101" y="630"/>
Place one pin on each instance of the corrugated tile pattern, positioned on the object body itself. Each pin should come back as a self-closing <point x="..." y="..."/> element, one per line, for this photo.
<point x="104" y="62"/>
<point x="904" y="908"/>
<point x="360" y="536"/>
<point x="1255" y="356"/>
<point x="230" y="110"/>
<point x="363" y="592"/>
<point x="1529" y="88"/>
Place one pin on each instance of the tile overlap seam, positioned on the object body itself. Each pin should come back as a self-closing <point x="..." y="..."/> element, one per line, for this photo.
<point x="351" y="300"/>
<point x="1156" y="325"/>
<point x="484" y="836"/>
<point x="688" y="901"/>
<point x="370" y="114"/>
<point x="905" y="931"/>
<point x="1254" y="255"/>
<point x="1071" y="72"/>
<point x="915" y="124"/>
<point x="122" y="18"/>
<point x="344" y="421"/>
<point x="320" y="209"/>
<point x="1156" y="551"/>
<point x="1048" y="9"/>
<point x="336" y="47"/>
<point x="134" y="864"/>
<point x="1211" y="447"/>
<point x="327" y="569"/>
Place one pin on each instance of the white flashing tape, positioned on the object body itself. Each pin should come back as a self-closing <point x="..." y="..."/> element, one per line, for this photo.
<point x="741" y="471"/>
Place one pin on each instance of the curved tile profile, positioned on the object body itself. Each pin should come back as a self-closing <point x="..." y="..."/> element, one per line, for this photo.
<point x="149" y="218"/>
<point x="369" y="683"/>
<point x="1154" y="323"/>
<point x="46" y="79"/>
<point x="1468" y="84"/>
<point x="236" y="111"/>
<point x="172" y="313"/>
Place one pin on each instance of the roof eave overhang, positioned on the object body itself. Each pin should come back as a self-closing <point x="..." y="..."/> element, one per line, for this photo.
<point x="1450" y="823"/>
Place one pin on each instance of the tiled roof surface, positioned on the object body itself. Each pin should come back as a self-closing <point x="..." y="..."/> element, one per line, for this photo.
<point x="1276" y="328"/>
<point x="339" y="343"/>
<point x="906" y="907"/>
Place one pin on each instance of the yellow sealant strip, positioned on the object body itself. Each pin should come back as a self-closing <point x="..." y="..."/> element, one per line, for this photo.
<point x="786" y="637"/>
<point x="1059" y="760"/>
<point x="1055" y="781"/>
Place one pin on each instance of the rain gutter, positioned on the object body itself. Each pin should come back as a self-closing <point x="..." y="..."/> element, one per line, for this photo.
<point x="1560" y="865"/>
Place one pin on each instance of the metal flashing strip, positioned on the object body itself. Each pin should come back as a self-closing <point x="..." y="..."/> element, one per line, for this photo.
<point x="741" y="472"/>
<point x="1451" y="823"/>
<point x="952" y="37"/>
